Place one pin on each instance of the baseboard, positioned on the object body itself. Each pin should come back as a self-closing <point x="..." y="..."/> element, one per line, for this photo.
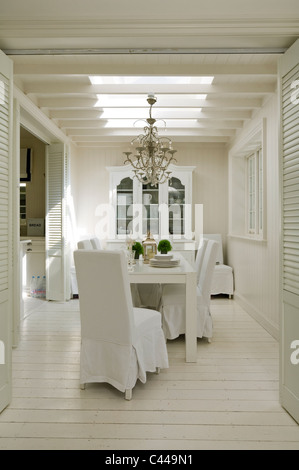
<point x="290" y="402"/>
<point x="258" y="316"/>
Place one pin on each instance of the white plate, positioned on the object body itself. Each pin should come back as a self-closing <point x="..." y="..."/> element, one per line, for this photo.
<point x="163" y="257"/>
<point x="164" y="263"/>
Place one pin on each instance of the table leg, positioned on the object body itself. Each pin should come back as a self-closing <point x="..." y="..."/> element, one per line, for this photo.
<point x="191" y="318"/>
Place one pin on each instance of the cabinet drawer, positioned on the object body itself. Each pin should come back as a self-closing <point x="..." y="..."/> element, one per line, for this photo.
<point x="35" y="247"/>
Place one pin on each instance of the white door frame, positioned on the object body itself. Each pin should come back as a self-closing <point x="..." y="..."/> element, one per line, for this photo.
<point x="6" y="248"/>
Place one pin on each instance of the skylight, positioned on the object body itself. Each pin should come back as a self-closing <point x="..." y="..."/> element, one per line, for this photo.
<point x="151" y="80"/>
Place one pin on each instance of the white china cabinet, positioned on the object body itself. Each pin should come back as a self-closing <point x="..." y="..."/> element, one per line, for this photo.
<point x="164" y="210"/>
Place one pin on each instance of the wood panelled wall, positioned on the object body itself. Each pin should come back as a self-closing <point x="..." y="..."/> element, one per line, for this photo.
<point x="256" y="264"/>
<point x="90" y="182"/>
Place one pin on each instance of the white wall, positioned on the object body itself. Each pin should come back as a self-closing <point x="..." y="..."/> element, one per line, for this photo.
<point x="256" y="263"/>
<point x="90" y="182"/>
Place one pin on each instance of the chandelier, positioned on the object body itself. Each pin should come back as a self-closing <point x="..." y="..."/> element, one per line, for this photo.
<point x="153" y="153"/>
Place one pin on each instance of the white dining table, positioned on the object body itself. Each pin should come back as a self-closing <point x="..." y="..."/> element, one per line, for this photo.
<point x="183" y="274"/>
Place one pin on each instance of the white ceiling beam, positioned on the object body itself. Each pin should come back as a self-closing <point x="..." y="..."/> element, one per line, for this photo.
<point x="130" y="123"/>
<point x="128" y="65"/>
<point x="130" y="133"/>
<point x="67" y="103"/>
<point x="119" y="143"/>
<point x="230" y="103"/>
<point x="33" y="119"/>
<point x="95" y="26"/>
<point x="188" y="113"/>
<point x="56" y="87"/>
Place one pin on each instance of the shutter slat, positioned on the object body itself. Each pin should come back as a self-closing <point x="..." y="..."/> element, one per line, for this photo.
<point x="290" y="148"/>
<point x="4" y="181"/>
<point x="57" y="272"/>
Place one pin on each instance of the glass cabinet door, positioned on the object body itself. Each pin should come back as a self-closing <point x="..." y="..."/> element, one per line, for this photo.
<point x="176" y="206"/>
<point x="124" y="216"/>
<point x="150" y="209"/>
<point x="163" y="210"/>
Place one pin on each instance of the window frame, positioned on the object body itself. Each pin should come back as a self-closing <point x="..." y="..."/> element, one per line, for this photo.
<point x="254" y="140"/>
<point x="255" y="194"/>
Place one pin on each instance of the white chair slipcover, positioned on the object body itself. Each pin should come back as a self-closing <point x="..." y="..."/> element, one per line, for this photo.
<point x="198" y="264"/>
<point x="223" y="277"/>
<point x="147" y="295"/>
<point x="174" y="297"/>
<point x="84" y="245"/>
<point x="119" y="343"/>
<point x="95" y="243"/>
<point x="223" y="280"/>
<point x="199" y="257"/>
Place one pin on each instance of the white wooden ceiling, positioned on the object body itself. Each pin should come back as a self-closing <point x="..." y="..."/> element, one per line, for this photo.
<point x="92" y="115"/>
<point x="165" y="47"/>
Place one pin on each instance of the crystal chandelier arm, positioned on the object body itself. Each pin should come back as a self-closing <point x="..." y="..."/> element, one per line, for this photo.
<point x="154" y="153"/>
<point x="129" y="160"/>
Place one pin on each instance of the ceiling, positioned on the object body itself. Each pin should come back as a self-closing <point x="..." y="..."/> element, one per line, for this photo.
<point x="167" y="48"/>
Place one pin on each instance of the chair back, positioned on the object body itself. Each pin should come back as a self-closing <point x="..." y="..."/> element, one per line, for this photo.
<point x="84" y="245"/>
<point x="95" y="243"/>
<point x="106" y="309"/>
<point x="207" y="270"/>
<point x="217" y="238"/>
<point x="199" y="257"/>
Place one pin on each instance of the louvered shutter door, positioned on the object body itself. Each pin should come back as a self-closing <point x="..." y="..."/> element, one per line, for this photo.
<point x="67" y="222"/>
<point x="5" y="229"/>
<point x="289" y="330"/>
<point x="4" y="184"/>
<point x="290" y="113"/>
<point x="56" y="235"/>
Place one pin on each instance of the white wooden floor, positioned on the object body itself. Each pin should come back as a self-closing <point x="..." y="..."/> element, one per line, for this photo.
<point x="228" y="400"/>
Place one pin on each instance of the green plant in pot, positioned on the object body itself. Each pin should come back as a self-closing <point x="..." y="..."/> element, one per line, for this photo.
<point x="164" y="247"/>
<point x="138" y="248"/>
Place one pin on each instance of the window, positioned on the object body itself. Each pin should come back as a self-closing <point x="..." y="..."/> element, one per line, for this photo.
<point x="248" y="185"/>
<point x="255" y="193"/>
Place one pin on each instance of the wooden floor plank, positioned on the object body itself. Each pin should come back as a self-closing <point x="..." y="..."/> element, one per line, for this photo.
<point x="227" y="400"/>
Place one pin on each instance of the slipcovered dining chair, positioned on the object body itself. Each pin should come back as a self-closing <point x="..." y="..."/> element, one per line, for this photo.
<point x="84" y="245"/>
<point x="199" y="257"/>
<point x="95" y="243"/>
<point x="119" y="343"/>
<point x="147" y="295"/>
<point x="173" y="300"/>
